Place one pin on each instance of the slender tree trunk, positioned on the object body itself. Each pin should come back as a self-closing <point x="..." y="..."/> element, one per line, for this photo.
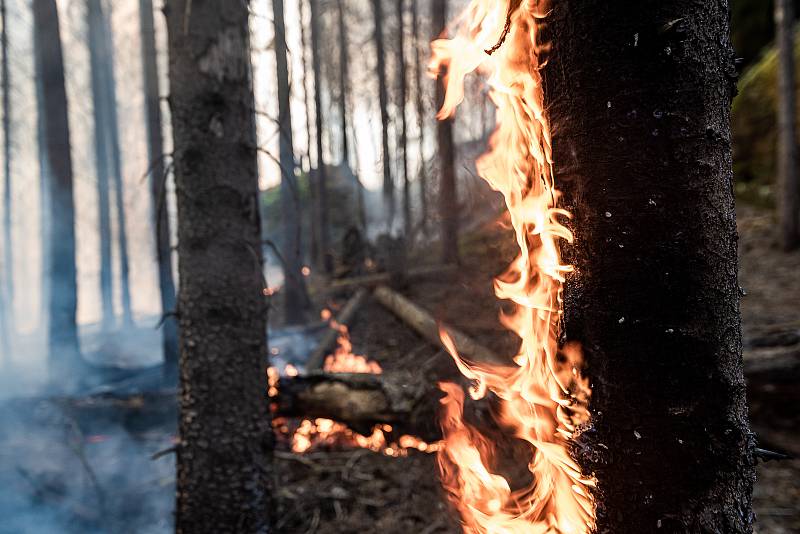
<point x="343" y="79"/>
<point x="420" y="104"/>
<point x="158" y="190"/>
<point x="62" y="290"/>
<point x="112" y="124"/>
<point x="295" y="297"/>
<point x="8" y="242"/>
<point x="788" y="185"/>
<point x="44" y="188"/>
<point x="224" y="455"/>
<point x="401" y="90"/>
<point x="383" y="102"/>
<point x="313" y="213"/>
<point x="448" y="199"/>
<point x="322" y="180"/>
<point x="97" y="60"/>
<point x="639" y="98"/>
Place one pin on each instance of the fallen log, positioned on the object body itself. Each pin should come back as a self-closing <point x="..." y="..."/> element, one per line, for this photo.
<point x="377" y="279"/>
<point x="328" y="342"/>
<point x="425" y="325"/>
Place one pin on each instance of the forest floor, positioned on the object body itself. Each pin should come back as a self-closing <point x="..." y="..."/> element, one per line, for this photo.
<point x="342" y="491"/>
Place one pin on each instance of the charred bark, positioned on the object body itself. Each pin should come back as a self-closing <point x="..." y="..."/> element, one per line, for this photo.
<point x="158" y="191"/>
<point x="639" y="96"/>
<point x="383" y="103"/>
<point x="322" y="180"/>
<point x="448" y="196"/>
<point x="224" y="456"/>
<point x="295" y="297"/>
<point x="61" y="288"/>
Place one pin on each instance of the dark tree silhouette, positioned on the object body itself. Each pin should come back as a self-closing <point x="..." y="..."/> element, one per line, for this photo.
<point x="158" y="192"/>
<point x="383" y="103"/>
<point x="225" y="438"/>
<point x="61" y="284"/>
<point x="344" y="74"/>
<point x="313" y="213"/>
<point x="643" y="151"/>
<point x="420" y="105"/>
<point x="7" y="289"/>
<point x="401" y="104"/>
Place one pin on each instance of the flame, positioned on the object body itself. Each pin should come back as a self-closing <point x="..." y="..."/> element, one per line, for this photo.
<point x="342" y="360"/>
<point x="543" y="399"/>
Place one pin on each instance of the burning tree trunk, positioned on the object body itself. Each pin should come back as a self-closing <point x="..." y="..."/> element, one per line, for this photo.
<point x="102" y="157"/>
<point x="295" y="298"/>
<point x="61" y="289"/>
<point x="223" y="459"/>
<point x="401" y="91"/>
<point x="788" y="185"/>
<point x="383" y="103"/>
<point x="639" y="96"/>
<point x="8" y="257"/>
<point x="448" y="199"/>
<point x="321" y="180"/>
<point x="158" y="193"/>
<point x="420" y="105"/>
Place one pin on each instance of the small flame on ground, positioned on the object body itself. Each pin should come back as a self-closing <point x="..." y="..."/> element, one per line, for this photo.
<point x="343" y="360"/>
<point x="544" y="399"/>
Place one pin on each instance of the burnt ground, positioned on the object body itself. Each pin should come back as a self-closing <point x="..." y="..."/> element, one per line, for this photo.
<point x="360" y="491"/>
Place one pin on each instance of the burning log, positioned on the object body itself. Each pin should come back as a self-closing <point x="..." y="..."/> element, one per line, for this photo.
<point x="328" y="342"/>
<point x="363" y="400"/>
<point x="425" y="325"/>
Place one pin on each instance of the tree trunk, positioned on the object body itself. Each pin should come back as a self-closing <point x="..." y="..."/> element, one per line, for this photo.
<point x="383" y="102"/>
<point x="295" y="297"/>
<point x="7" y="289"/>
<point x="401" y="91"/>
<point x="313" y="208"/>
<point x="343" y="79"/>
<point x="639" y="96"/>
<point x="223" y="459"/>
<point x="44" y="181"/>
<point x="158" y="190"/>
<point x="420" y="105"/>
<point x="102" y="158"/>
<point x="116" y="167"/>
<point x="322" y="180"/>
<point x="62" y="288"/>
<point x="788" y="186"/>
<point x="448" y="197"/>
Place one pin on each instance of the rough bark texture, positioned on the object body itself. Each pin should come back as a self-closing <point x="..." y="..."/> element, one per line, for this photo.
<point x="294" y="285"/>
<point x="322" y="179"/>
<point x="383" y="103"/>
<point x="62" y="289"/>
<point x="639" y="97"/>
<point x="788" y="186"/>
<point x="102" y="158"/>
<point x="401" y="104"/>
<point x="225" y="438"/>
<point x="448" y="199"/>
<point x="420" y="105"/>
<point x="158" y="193"/>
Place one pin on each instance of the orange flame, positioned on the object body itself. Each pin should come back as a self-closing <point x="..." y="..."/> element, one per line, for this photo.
<point x="543" y="399"/>
<point x="342" y="360"/>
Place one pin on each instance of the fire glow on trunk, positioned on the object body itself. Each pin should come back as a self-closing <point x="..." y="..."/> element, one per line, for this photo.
<point x="542" y="399"/>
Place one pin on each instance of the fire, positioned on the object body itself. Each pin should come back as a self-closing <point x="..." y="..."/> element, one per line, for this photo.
<point x="543" y="399"/>
<point x="342" y="360"/>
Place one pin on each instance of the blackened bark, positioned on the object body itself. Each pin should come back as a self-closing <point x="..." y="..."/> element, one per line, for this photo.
<point x="62" y="289"/>
<point x="158" y="192"/>
<point x="383" y="103"/>
<point x="788" y="186"/>
<point x="420" y="105"/>
<point x="448" y="199"/>
<point x="112" y="124"/>
<point x="401" y="97"/>
<point x="322" y="180"/>
<point x="639" y="94"/>
<point x="344" y="71"/>
<point x="102" y="157"/>
<point x="225" y="439"/>
<point x="295" y="297"/>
